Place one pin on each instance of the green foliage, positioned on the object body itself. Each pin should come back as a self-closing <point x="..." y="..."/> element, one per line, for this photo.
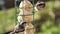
<point x="48" y="27"/>
<point x="7" y="21"/>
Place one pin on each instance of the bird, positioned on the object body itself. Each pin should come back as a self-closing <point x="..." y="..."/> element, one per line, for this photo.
<point x="39" y="5"/>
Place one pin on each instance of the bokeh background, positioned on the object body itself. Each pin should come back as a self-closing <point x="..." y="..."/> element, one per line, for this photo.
<point x="42" y="21"/>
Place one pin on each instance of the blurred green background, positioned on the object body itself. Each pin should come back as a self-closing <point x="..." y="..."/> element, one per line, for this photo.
<point x="7" y="19"/>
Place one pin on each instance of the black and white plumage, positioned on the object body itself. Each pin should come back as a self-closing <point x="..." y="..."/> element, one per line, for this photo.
<point x="39" y="5"/>
<point x="19" y="28"/>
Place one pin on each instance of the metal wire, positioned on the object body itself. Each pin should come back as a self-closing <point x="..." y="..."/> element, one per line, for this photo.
<point x="33" y="15"/>
<point x="23" y="12"/>
<point x="15" y="12"/>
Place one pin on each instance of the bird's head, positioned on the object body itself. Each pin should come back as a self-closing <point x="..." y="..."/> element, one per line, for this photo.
<point x="39" y="5"/>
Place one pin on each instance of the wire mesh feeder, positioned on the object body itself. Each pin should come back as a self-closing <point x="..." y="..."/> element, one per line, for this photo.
<point x="24" y="25"/>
